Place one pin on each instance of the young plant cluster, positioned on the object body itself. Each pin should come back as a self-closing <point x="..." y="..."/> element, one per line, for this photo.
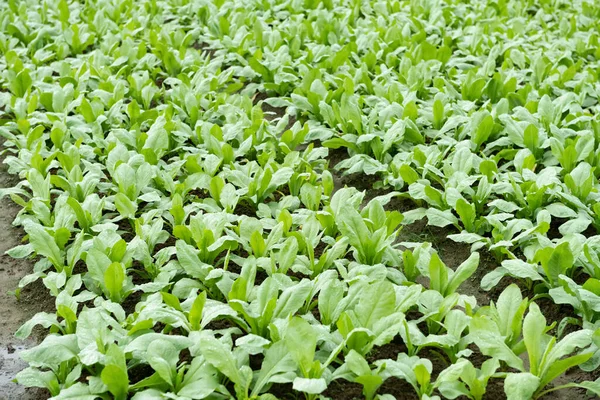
<point x="182" y="206"/>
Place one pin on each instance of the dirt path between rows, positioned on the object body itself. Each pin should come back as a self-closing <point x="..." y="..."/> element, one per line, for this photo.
<point x="15" y="312"/>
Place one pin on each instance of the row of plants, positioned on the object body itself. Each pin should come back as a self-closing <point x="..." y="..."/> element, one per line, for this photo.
<point x="181" y="197"/>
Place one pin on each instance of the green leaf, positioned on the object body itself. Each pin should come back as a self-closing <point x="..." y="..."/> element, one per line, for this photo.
<point x="163" y="357"/>
<point x="52" y="351"/>
<point x="492" y="344"/>
<point x="531" y="138"/>
<point x="561" y="366"/>
<point x="287" y="254"/>
<point x="352" y="225"/>
<point x="467" y="214"/>
<point x="520" y="386"/>
<point x="438" y="274"/>
<point x="114" y="277"/>
<point x="195" y="315"/>
<point x="292" y="299"/>
<point x="257" y="243"/>
<point x="220" y="356"/>
<point x="408" y="174"/>
<point x="278" y="361"/>
<point x="560" y="261"/>
<point x="511" y="308"/>
<point x="593" y="387"/>
<point x="534" y="327"/>
<point x="126" y="207"/>
<point x="301" y="342"/>
<point x="422" y="375"/>
<point x="483" y="131"/>
<point x="357" y="364"/>
<point x="438" y="114"/>
<point x="441" y="218"/>
<point x="310" y="385"/>
<point x="377" y="300"/>
<point x="44" y="244"/>
<point x="117" y="381"/>
<point x="462" y="273"/>
<point x="328" y="302"/>
<point x="200" y="380"/>
<point x="21" y="84"/>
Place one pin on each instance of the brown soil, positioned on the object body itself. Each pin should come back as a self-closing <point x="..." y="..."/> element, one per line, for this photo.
<point x="272" y="113"/>
<point x="343" y="390"/>
<point x="205" y="48"/>
<point x="357" y="180"/>
<point x="398" y="388"/>
<point x="387" y="351"/>
<point x="245" y="208"/>
<point x="495" y="390"/>
<point x="284" y="391"/>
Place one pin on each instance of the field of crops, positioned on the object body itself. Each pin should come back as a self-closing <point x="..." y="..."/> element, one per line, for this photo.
<point x="303" y="199"/>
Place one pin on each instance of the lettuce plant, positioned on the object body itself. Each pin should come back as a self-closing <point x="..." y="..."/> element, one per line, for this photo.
<point x="548" y="357"/>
